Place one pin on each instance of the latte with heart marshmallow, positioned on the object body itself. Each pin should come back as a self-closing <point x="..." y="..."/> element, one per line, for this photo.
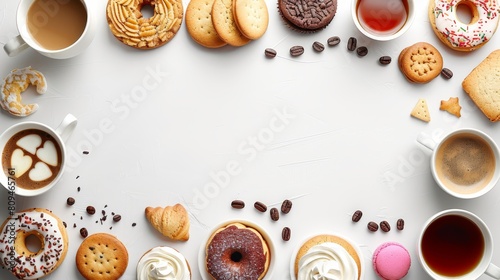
<point x="34" y="156"/>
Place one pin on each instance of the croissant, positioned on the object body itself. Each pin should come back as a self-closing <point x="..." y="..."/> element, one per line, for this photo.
<point x="171" y="221"/>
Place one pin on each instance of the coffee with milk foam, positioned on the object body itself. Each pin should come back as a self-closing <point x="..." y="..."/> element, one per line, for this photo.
<point x="33" y="157"/>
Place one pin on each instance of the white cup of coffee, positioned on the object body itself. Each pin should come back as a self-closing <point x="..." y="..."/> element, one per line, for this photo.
<point x="456" y="244"/>
<point x="55" y="28"/>
<point x="465" y="163"/>
<point x="383" y="20"/>
<point x="34" y="156"/>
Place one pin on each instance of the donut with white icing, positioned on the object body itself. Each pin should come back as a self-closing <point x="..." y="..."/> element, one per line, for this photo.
<point x="463" y="36"/>
<point x="14" y="252"/>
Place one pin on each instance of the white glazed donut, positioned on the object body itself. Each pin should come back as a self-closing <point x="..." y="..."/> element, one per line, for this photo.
<point x="14" y="253"/>
<point x="462" y="36"/>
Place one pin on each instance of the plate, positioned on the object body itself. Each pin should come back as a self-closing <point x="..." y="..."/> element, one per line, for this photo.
<point x="201" y="255"/>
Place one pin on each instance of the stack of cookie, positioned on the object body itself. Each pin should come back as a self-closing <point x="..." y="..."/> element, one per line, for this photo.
<point x="420" y="62"/>
<point x="216" y="23"/>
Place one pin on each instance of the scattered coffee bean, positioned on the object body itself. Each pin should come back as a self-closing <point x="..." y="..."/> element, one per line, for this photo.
<point x="400" y="224"/>
<point x="74" y="225"/>
<point x="78" y="189"/>
<point x="83" y="232"/>
<point x="103" y="212"/>
<point x="270" y="53"/>
<point x="333" y="41"/>
<point x="286" y="233"/>
<point x="356" y="216"/>
<point x="384" y="60"/>
<point x="91" y="210"/>
<point x="65" y="224"/>
<point x="362" y="51"/>
<point x="275" y="215"/>
<point x="117" y="218"/>
<point x="446" y="73"/>
<point x="296" y="50"/>
<point x="260" y="206"/>
<point x="317" y="46"/>
<point x="85" y="152"/>
<point x="286" y="206"/>
<point x="70" y="201"/>
<point x="372" y="226"/>
<point x="134" y="224"/>
<point x="351" y="44"/>
<point x="238" y="204"/>
<point x="385" y="226"/>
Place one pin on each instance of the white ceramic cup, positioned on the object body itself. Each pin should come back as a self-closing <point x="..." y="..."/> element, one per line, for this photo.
<point x="483" y="267"/>
<point x="60" y="134"/>
<point x="384" y="16"/>
<point x="429" y="143"/>
<point x="24" y="40"/>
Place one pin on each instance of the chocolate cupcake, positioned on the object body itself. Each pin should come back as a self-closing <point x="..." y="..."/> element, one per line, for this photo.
<point x="307" y="16"/>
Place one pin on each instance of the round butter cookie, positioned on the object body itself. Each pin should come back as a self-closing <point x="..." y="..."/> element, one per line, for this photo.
<point x="251" y="17"/>
<point x="128" y="25"/>
<point x="224" y="23"/>
<point x="420" y="62"/>
<point x="200" y="26"/>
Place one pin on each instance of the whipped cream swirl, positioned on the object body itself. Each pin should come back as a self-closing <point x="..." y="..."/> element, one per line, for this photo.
<point x="163" y="263"/>
<point x="327" y="261"/>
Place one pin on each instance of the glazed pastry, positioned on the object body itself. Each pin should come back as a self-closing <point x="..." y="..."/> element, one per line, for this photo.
<point x="162" y="263"/>
<point x="237" y="252"/>
<point x="171" y="221"/>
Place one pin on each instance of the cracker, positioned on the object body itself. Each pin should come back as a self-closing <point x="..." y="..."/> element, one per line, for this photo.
<point x="101" y="256"/>
<point x="421" y="62"/>
<point x="200" y="26"/>
<point x="224" y="24"/>
<point x="252" y="17"/>
<point x="483" y="86"/>
<point x="421" y="111"/>
<point x="451" y="106"/>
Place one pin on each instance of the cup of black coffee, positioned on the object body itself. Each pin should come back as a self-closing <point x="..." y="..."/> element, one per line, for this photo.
<point x="34" y="156"/>
<point x="465" y="163"/>
<point x="456" y="244"/>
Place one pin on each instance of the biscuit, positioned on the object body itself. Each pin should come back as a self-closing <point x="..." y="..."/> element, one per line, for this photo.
<point x="421" y="111"/>
<point x="251" y="17"/>
<point x="307" y="16"/>
<point x="101" y="256"/>
<point x="224" y="24"/>
<point x="200" y="26"/>
<point x="451" y="106"/>
<point x="483" y="86"/>
<point x="420" y="62"/>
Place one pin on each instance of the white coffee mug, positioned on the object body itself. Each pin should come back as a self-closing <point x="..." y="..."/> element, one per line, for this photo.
<point x="456" y="219"/>
<point x="465" y="192"/>
<point x="50" y="9"/>
<point x="60" y="135"/>
<point x="383" y="16"/>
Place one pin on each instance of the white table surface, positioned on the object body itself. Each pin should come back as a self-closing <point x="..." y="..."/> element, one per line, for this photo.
<point x="347" y="141"/>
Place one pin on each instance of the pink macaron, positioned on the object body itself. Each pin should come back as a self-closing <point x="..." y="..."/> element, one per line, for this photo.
<point x="391" y="261"/>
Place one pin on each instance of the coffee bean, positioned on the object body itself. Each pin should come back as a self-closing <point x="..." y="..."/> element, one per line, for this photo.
<point x="372" y="226"/>
<point x="65" y="224"/>
<point x="446" y="73"/>
<point x="385" y="226"/>
<point x="70" y="201"/>
<point x="117" y="218"/>
<point x="351" y="44"/>
<point x="317" y="46"/>
<point x="356" y="216"/>
<point x="400" y="224"/>
<point x="83" y="232"/>
<point x="275" y="215"/>
<point x="270" y="53"/>
<point x="134" y="224"/>
<point x="286" y="233"/>
<point x="91" y="210"/>
<point x="384" y="60"/>
<point x="260" y="206"/>
<point x="362" y="51"/>
<point x="238" y="204"/>
<point x="286" y="206"/>
<point x="296" y="50"/>
<point x="333" y="41"/>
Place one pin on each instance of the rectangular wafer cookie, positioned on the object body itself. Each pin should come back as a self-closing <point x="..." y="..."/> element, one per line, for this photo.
<point x="483" y="86"/>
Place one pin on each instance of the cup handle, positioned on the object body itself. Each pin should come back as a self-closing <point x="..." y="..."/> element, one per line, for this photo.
<point x="15" y="45"/>
<point x="493" y="271"/>
<point x="66" y="127"/>
<point x="426" y="141"/>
